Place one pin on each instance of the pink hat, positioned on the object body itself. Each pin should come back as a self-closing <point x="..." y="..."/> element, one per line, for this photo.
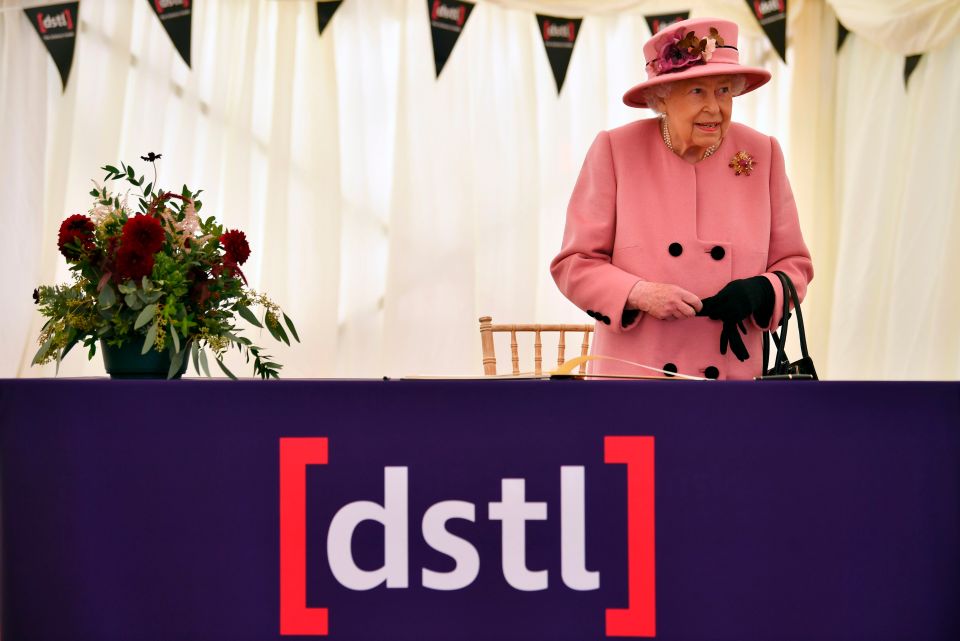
<point x="693" y="49"/>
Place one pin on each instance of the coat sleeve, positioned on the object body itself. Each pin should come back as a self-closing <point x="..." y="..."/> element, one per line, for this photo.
<point x="583" y="269"/>
<point x="787" y="251"/>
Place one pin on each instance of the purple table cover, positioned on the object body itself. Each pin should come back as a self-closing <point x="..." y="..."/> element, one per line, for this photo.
<point x="150" y="510"/>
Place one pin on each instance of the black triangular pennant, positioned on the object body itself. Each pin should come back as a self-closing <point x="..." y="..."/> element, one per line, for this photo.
<point x="660" y="21"/>
<point x="772" y="16"/>
<point x="325" y="11"/>
<point x="559" y="36"/>
<point x="176" y="16"/>
<point x="842" y="33"/>
<point x="909" y="66"/>
<point x="56" y="24"/>
<point x="447" y="18"/>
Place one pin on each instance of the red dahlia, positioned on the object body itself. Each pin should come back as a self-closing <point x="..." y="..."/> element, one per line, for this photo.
<point x="75" y="230"/>
<point x="236" y="250"/>
<point x="144" y="233"/>
<point x="133" y="262"/>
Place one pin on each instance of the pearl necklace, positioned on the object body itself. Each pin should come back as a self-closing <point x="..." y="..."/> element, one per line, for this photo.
<point x="669" y="143"/>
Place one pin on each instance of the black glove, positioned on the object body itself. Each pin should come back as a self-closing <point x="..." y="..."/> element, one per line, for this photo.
<point x="740" y="298"/>
<point x="731" y="334"/>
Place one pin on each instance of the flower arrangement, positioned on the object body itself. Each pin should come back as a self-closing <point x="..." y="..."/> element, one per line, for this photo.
<point x="162" y="278"/>
<point x="680" y="51"/>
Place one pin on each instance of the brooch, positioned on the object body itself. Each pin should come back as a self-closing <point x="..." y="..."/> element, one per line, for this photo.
<point x="742" y="163"/>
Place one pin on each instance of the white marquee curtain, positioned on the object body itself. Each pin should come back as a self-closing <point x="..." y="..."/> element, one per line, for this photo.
<point x="387" y="210"/>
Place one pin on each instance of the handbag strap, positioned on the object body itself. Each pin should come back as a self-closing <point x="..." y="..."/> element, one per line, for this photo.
<point x="781" y="362"/>
<point x="792" y="291"/>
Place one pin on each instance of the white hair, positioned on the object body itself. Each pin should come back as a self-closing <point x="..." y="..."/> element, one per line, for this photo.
<point x="657" y="93"/>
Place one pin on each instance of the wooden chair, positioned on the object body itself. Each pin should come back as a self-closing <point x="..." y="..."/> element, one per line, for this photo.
<point x="487" y="329"/>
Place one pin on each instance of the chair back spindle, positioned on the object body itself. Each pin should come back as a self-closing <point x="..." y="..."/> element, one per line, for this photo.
<point x="487" y="330"/>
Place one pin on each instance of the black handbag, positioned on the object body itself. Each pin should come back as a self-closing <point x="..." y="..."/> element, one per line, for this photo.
<point x="782" y="368"/>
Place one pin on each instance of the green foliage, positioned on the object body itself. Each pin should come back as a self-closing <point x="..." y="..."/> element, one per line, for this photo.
<point x="191" y="301"/>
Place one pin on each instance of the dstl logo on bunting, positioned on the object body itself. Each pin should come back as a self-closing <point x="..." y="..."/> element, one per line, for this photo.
<point x="62" y="20"/>
<point x="764" y="8"/>
<point x="552" y="30"/>
<point x="512" y="511"/>
<point x="163" y="5"/>
<point x="446" y="12"/>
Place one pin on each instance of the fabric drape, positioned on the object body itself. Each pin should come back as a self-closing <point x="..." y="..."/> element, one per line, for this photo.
<point x="388" y="209"/>
<point x="901" y="26"/>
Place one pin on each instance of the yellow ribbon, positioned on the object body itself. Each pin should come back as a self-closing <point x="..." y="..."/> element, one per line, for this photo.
<point x="567" y="368"/>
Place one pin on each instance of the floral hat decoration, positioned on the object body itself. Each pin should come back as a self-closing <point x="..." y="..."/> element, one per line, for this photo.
<point x="693" y="49"/>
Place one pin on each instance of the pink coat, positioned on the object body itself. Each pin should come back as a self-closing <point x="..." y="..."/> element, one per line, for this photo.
<point x="639" y="212"/>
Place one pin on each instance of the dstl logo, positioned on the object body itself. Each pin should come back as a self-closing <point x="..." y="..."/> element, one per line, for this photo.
<point x="163" y="5"/>
<point x="512" y="511"/>
<point x="764" y="8"/>
<point x="441" y="11"/>
<point x="62" y="20"/>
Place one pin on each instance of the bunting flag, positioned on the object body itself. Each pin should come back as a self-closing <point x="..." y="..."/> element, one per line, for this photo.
<point x="772" y="16"/>
<point x="909" y="66"/>
<point x="662" y="20"/>
<point x="559" y="35"/>
<point x="325" y="11"/>
<point x="56" y="24"/>
<point x="842" y="33"/>
<point x="176" y="16"/>
<point x="447" y="18"/>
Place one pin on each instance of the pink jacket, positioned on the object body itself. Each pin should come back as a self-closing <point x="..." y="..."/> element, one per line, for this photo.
<point x="638" y="211"/>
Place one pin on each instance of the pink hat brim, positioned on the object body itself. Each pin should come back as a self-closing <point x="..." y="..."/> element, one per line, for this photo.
<point x="755" y="77"/>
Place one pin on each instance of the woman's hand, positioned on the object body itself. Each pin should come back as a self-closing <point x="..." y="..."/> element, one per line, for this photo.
<point x="663" y="301"/>
<point x="740" y="298"/>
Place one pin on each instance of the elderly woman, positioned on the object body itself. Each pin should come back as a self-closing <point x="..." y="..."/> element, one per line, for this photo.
<point x="677" y="223"/>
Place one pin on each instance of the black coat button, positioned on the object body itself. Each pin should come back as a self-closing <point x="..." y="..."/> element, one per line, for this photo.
<point x="718" y="252"/>
<point x="675" y="249"/>
<point x="591" y="313"/>
<point x="670" y="367"/>
<point x="606" y="320"/>
<point x="712" y="372"/>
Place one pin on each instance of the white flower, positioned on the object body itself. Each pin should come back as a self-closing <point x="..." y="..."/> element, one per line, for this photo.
<point x="709" y="49"/>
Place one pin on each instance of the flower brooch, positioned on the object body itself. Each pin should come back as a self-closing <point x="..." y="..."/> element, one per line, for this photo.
<point x="742" y="163"/>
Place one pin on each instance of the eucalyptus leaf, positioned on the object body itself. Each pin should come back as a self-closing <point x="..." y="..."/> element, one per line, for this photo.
<point x="150" y="339"/>
<point x="42" y="351"/>
<point x="203" y="363"/>
<point x="176" y="339"/>
<point x="272" y="328"/>
<point x="145" y="317"/>
<point x="224" y="368"/>
<point x="283" y="334"/>
<point x="293" y="330"/>
<point x="248" y="315"/>
<point x="107" y="297"/>
<point x="110" y="168"/>
<point x="127" y="288"/>
<point x="132" y="301"/>
<point x="193" y="353"/>
<point x="72" y="339"/>
<point x="146" y="284"/>
<point x="92" y="351"/>
<point x="175" y="364"/>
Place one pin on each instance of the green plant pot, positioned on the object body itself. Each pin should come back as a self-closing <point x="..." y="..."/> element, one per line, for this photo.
<point x="126" y="361"/>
